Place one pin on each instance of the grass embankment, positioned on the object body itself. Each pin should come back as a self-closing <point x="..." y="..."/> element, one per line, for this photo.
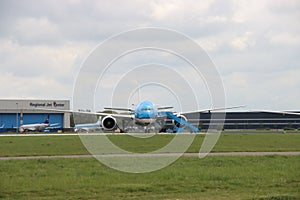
<point x="262" y="177"/>
<point x="71" y="145"/>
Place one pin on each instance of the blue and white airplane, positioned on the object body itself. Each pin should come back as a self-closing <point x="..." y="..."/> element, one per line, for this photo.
<point x="88" y="127"/>
<point x="146" y="115"/>
<point x="36" y="126"/>
<point x="149" y="116"/>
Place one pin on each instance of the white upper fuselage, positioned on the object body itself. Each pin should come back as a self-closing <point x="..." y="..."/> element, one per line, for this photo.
<point x="34" y="127"/>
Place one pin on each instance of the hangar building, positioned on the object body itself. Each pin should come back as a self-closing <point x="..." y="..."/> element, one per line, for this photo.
<point x="11" y="110"/>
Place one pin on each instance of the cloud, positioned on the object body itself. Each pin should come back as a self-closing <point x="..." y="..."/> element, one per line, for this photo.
<point x="42" y="44"/>
<point x="36" y="60"/>
<point x="177" y="10"/>
<point x="273" y="90"/>
<point x="36" y="30"/>
<point x="243" y="42"/>
<point x="42" y="87"/>
<point x="284" y="38"/>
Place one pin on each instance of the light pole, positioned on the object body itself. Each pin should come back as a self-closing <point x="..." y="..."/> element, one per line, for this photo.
<point x="17" y="119"/>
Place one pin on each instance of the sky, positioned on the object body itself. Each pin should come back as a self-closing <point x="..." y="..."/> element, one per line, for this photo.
<point x="254" y="45"/>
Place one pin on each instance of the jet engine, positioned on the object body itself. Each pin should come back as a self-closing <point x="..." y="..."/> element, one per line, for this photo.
<point x="109" y="123"/>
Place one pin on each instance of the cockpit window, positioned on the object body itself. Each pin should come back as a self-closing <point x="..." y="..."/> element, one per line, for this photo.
<point x="147" y="109"/>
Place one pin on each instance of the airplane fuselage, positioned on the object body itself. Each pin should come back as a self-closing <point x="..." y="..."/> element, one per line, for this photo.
<point x="34" y="127"/>
<point x="88" y="127"/>
<point x="145" y="113"/>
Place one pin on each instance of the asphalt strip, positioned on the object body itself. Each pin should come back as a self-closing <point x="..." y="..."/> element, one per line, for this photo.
<point x="293" y="153"/>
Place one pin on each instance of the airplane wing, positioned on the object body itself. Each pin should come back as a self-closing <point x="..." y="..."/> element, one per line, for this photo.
<point x="55" y="124"/>
<point x="122" y="116"/>
<point x="52" y="128"/>
<point x="165" y="108"/>
<point x="280" y="112"/>
<point x="122" y="109"/>
<point x="212" y="109"/>
<point x="102" y="114"/>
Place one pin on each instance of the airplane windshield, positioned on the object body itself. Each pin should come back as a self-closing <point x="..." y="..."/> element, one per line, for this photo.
<point x="146" y="109"/>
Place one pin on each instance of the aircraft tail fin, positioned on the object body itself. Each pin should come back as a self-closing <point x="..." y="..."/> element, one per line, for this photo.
<point x="47" y="120"/>
<point x="21" y="118"/>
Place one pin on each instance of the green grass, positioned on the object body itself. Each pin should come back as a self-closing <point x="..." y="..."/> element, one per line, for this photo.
<point x="262" y="177"/>
<point x="71" y="145"/>
<point x="258" y="142"/>
<point x="43" y="145"/>
<point x="226" y="142"/>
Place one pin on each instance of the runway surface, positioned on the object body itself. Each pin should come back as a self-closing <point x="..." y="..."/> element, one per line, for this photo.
<point x="290" y="153"/>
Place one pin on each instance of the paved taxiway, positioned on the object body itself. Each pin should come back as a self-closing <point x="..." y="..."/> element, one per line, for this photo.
<point x="290" y="153"/>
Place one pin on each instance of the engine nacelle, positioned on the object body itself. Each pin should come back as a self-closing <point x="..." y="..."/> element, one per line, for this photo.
<point x="109" y="123"/>
<point x="182" y="117"/>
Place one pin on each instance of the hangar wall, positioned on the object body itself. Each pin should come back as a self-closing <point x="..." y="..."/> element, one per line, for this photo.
<point x="11" y="109"/>
<point x="248" y="120"/>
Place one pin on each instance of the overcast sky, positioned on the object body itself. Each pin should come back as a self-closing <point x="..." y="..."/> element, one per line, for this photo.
<point x="254" y="44"/>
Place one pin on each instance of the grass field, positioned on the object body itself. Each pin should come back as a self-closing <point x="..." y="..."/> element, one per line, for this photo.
<point x="71" y="145"/>
<point x="241" y="177"/>
<point x="263" y="177"/>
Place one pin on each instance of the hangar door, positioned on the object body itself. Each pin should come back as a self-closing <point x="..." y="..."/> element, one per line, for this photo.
<point x="12" y="120"/>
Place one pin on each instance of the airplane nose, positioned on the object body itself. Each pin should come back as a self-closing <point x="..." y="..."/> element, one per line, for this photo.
<point x="144" y="114"/>
<point x="149" y="114"/>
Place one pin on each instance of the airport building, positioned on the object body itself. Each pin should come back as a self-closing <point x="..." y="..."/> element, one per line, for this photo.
<point x="248" y="120"/>
<point x="32" y="112"/>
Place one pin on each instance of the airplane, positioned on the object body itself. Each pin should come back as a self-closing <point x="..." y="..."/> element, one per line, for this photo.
<point x="145" y="115"/>
<point x="148" y="115"/>
<point x="2" y="129"/>
<point x="35" y="127"/>
<point x="88" y="127"/>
